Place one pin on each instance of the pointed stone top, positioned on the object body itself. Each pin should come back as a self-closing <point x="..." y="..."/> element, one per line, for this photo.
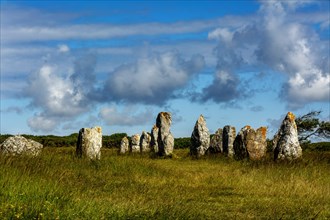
<point x="290" y="116"/>
<point x="263" y="131"/>
<point x="201" y="118"/>
<point x="167" y="115"/>
<point x="247" y="127"/>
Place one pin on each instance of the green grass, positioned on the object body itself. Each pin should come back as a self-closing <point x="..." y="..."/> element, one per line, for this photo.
<point x="57" y="185"/>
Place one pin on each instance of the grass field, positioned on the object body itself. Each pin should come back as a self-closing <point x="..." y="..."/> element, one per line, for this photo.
<point x="57" y="185"/>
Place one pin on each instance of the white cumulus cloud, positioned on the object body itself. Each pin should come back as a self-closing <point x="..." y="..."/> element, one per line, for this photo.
<point x="278" y="43"/>
<point x="42" y="123"/>
<point x="153" y="79"/>
<point x="55" y="94"/>
<point x="128" y="116"/>
<point x="62" y="48"/>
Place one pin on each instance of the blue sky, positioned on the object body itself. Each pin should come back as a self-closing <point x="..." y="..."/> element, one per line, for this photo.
<point x="72" y="64"/>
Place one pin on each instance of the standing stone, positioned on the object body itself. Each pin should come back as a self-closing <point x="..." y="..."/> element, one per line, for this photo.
<point x="145" y="142"/>
<point x="286" y="144"/>
<point x="124" y="145"/>
<point x="89" y="143"/>
<point x="229" y="134"/>
<point x="200" y="138"/>
<point x="18" y="145"/>
<point x="135" y="143"/>
<point x="154" y="139"/>
<point x="256" y="144"/>
<point x="250" y="143"/>
<point x="216" y="142"/>
<point x="165" y="138"/>
<point x="240" y="143"/>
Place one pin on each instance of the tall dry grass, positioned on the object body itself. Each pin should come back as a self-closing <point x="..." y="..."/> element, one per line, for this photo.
<point x="57" y="185"/>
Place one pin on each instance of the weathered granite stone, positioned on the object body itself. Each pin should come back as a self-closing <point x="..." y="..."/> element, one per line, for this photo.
<point x="145" y="142"/>
<point x="124" y="145"/>
<point x="89" y="143"/>
<point x="154" y="139"/>
<point x="229" y="134"/>
<point x="200" y="138"/>
<point x="240" y="150"/>
<point x="18" y="145"/>
<point x="286" y="144"/>
<point x="256" y="144"/>
<point x="135" y="143"/>
<point x="250" y="143"/>
<point x="165" y="138"/>
<point x="216" y="142"/>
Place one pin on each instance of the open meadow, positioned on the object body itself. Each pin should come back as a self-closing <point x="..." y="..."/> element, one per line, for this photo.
<point x="57" y="185"/>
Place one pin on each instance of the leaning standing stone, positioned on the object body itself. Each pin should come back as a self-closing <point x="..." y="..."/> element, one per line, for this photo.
<point x="145" y="142"/>
<point x="89" y="143"/>
<point x="216" y="142"/>
<point x="286" y="144"/>
<point x="229" y="134"/>
<point x="135" y="143"/>
<point x="165" y="138"/>
<point x="17" y="145"/>
<point x="200" y="138"/>
<point x="124" y="145"/>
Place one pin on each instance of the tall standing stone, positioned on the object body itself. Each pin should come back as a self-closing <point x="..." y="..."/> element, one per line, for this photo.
<point x="200" y="138"/>
<point x="135" y="143"/>
<point x="165" y="139"/>
<point x="89" y="143"/>
<point x="18" y="145"/>
<point x="216" y="145"/>
<point x="154" y="139"/>
<point x="286" y="143"/>
<point x="145" y="142"/>
<point x="229" y="134"/>
<point x="124" y="145"/>
<point x="256" y="143"/>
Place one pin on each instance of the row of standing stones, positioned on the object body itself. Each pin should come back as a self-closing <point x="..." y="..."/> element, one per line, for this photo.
<point x="248" y="143"/>
<point x="160" y="141"/>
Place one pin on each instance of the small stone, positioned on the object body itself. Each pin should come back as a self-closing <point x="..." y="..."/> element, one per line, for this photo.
<point x="19" y="145"/>
<point x="124" y="145"/>
<point x="135" y="143"/>
<point x="200" y="138"/>
<point x="216" y="142"/>
<point x="145" y="142"/>
<point x="286" y="144"/>
<point x="89" y="143"/>
<point x="229" y="134"/>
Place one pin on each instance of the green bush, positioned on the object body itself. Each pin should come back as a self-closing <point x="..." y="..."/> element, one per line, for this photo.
<point x="113" y="141"/>
<point x="181" y="143"/>
<point x="320" y="146"/>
